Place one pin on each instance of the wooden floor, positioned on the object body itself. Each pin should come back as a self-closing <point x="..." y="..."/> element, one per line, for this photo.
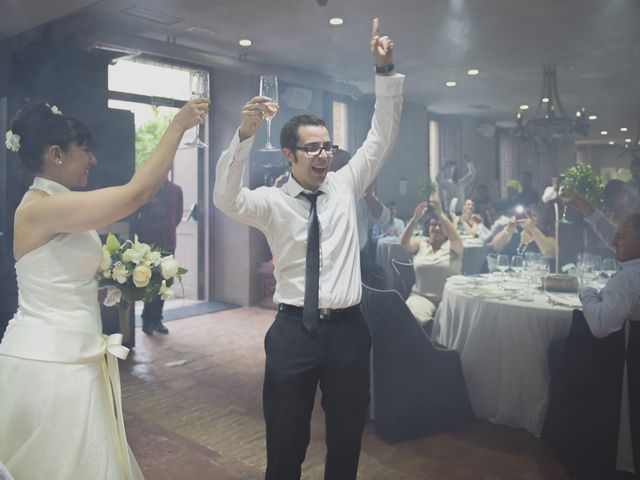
<point x="193" y="410"/>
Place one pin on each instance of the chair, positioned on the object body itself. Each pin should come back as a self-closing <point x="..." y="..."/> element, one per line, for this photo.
<point x="418" y="388"/>
<point x="584" y="407"/>
<point x="404" y="277"/>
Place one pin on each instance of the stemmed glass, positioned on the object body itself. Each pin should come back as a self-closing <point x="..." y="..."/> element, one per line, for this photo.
<point x="502" y="263"/>
<point x="199" y="89"/>
<point x="269" y="88"/>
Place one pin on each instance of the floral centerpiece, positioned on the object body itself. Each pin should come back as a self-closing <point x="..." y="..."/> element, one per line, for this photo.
<point x="428" y="188"/>
<point x="135" y="271"/>
<point x="583" y="179"/>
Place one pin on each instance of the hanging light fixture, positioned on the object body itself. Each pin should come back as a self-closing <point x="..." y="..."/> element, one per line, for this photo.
<point x="550" y="122"/>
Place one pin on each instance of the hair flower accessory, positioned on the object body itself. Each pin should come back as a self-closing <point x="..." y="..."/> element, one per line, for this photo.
<point x="12" y="141"/>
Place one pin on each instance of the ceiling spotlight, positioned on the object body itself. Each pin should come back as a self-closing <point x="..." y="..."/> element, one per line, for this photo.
<point x="545" y="99"/>
<point x="593" y="117"/>
<point x="335" y="21"/>
<point x="611" y="142"/>
<point x="524" y="107"/>
<point x="627" y="140"/>
<point x="451" y="83"/>
<point x="473" y="71"/>
<point x="623" y="129"/>
<point x="604" y="132"/>
<point x="245" y="42"/>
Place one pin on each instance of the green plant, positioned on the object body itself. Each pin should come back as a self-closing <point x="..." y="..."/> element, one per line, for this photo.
<point x="148" y="135"/>
<point x="428" y="187"/>
<point x="583" y="179"/>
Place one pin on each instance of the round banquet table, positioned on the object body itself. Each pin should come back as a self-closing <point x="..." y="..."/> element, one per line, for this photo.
<point x="503" y="342"/>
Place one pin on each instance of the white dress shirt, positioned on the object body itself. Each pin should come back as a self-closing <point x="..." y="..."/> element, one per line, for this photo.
<point x="282" y="215"/>
<point x="616" y="303"/>
<point x="487" y="234"/>
<point x="549" y="194"/>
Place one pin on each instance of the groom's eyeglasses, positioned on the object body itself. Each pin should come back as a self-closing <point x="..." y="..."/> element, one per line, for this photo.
<point x="314" y="149"/>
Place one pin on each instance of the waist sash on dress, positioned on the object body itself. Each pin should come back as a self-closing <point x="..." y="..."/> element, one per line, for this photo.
<point x="66" y="345"/>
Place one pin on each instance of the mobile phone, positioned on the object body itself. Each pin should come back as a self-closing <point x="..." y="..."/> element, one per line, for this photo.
<point x="520" y="212"/>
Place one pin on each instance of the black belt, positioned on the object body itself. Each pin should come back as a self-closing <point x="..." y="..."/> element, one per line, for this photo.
<point x="323" y="313"/>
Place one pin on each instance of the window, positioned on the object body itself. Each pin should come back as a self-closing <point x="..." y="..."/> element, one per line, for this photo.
<point x="340" y="116"/>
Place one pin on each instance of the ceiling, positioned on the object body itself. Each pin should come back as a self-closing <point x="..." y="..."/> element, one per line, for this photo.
<point x="594" y="44"/>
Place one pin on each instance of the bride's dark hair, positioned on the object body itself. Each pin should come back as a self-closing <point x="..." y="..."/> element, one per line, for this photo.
<point x="39" y="128"/>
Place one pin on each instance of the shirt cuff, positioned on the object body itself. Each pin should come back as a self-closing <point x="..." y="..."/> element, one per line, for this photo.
<point x="240" y="149"/>
<point x="389" y="85"/>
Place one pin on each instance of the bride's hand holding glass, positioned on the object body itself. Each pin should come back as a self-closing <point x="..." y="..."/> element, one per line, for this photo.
<point x="191" y="114"/>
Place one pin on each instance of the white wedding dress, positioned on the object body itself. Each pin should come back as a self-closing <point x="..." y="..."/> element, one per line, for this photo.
<point x="60" y="403"/>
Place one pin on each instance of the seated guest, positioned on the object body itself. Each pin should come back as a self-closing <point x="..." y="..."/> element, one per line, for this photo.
<point x="514" y="188"/>
<point x="468" y="222"/>
<point x="396" y="225"/>
<point x="434" y="260"/>
<point x="551" y="192"/>
<point x="481" y="198"/>
<point x="528" y="195"/>
<point x="524" y="235"/>
<point x="607" y="311"/>
<point x="497" y="221"/>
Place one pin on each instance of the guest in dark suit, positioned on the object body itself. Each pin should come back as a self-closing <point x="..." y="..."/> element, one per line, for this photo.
<point x="156" y="224"/>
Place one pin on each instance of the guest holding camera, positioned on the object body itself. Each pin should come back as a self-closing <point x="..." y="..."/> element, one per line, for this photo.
<point x="434" y="260"/>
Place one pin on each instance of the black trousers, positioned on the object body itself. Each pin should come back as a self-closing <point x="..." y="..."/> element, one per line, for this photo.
<point x="152" y="311"/>
<point x="335" y="356"/>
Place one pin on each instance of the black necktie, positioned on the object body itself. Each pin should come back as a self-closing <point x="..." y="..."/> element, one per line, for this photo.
<point x="312" y="271"/>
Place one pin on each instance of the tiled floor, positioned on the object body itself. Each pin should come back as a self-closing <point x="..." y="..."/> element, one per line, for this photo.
<point x="193" y="410"/>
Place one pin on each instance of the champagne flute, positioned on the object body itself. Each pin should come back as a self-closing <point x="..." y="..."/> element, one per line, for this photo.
<point x="502" y="263"/>
<point x="269" y="88"/>
<point x="199" y="89"/>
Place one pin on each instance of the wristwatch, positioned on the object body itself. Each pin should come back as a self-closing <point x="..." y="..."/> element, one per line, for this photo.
<point x="388" y="68"/>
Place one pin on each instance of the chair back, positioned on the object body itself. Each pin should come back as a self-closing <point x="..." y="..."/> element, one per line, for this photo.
<point x="404" y="277"/>
<point x="418" y="388"/>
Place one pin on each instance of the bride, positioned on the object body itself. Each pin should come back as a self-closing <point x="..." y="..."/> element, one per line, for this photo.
<point x="60" y="404"/>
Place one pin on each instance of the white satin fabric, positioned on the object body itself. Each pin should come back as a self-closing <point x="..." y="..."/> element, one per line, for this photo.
<point x="60" y="399"/>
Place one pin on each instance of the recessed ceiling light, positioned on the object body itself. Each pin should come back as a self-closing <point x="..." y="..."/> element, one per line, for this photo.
<point x="245" y="42"/>
<point x="593" y="117"/>
<point x="524" y="107"/>
<point x="611" y="142"/>
<point x="627" y="140"/>
<point x="473" y="71"/>
<point x="335" y="21"/>
<point x="545" y="99"/>
<point x="451" y="83"/>
<point x="623" y="129"/>
<point x="604" y="132"/>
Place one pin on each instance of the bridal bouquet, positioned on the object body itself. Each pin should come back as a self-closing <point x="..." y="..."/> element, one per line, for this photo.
<point x="135" y="271"/>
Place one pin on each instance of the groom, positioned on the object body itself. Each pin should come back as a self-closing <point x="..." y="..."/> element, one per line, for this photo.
<point x="319" y="335"/>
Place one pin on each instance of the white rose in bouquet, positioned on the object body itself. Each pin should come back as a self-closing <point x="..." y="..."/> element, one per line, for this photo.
<point x="136" y="253"/>
<point x="152" y="259"/>
<point x="114" y="295"/>
<point x="169" y="267"/>
<point x="141" y="276"/>
<point x="120" y="272"/>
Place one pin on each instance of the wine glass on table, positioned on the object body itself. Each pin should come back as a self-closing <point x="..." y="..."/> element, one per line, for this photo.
<point x="269" y="89"/>
<point x="199" y="89"/>
<point x="609" y="266"/>
<point x="502" y="263"/>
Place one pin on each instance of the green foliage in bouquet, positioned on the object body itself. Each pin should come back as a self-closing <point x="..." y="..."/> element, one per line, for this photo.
<point x="136" y="271"/>
<point x="428" y="187"/>
<point x="583" y="179"/>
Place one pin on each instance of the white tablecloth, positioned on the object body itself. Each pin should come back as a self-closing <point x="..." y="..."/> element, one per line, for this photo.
<point x="503" y="345"/>
<point x="389" y="248"/>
